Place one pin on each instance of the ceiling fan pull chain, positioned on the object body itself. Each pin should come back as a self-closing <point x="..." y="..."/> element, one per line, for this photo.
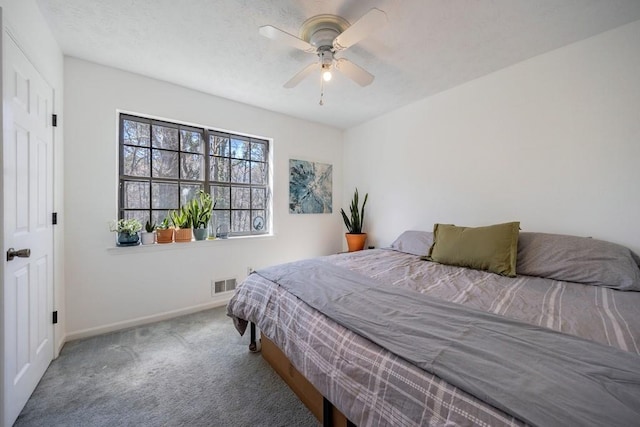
<point x="321" y="91"/>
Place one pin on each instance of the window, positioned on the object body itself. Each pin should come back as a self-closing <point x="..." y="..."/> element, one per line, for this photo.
<point x="163" y="165"/>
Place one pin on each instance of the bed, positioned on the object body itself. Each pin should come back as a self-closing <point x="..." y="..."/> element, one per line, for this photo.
<point x="556" y="344"/>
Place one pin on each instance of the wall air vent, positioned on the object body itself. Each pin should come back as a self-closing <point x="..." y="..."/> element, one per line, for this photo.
<point x="230" y="284"/>
<point x="224" y="285"/>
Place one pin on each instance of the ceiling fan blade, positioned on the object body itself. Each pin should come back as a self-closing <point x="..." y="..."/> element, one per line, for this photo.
<point x="293" y="82"/>
<point x="364" y="26"/>
<point x="354" y="72"/>
<point x="277" y="34"/>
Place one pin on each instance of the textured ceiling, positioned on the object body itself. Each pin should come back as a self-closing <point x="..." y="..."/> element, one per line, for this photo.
<point x="428" y="45"/>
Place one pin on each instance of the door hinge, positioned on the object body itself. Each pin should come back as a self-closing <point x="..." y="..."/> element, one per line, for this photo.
<point x="55" y="317"/>
<point x="54" y="120"/>
<point x="54" y="218"/>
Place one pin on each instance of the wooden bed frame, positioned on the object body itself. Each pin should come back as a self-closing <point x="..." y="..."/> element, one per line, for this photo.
<point x="323" y="410"/>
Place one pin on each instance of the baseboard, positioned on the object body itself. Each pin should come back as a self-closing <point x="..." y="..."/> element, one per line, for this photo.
<point x="59" y="346"/>
<point x="90" y="332"/>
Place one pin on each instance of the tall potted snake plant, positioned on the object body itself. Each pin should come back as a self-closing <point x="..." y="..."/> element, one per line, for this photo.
<point x="200" y="210"/>
<point x="354" y="223"/>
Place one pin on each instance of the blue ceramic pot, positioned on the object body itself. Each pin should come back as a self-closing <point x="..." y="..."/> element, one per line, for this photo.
<point x="126" y="239"/>
<point x="200" y="233"/>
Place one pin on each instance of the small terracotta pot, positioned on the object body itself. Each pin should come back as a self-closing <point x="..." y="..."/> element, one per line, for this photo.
<point x="183" y="235"/>
<point x="164" y="236"/>
<point x="355" y="242"/>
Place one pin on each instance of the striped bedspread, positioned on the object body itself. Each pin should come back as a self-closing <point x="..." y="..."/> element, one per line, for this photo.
<point x="374" y="387"/>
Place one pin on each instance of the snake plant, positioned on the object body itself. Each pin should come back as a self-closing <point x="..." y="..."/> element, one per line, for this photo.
<point x="355" y="223"/>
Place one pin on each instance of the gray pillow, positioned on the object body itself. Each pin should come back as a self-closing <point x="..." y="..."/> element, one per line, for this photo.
<point x="578" y="259"/>
<point x="414" y="242"/>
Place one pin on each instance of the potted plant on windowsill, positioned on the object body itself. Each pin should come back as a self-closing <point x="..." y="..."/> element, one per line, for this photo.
<point x="200" y="210"/>
<point x="148" y="236"/>
<point x="182" y="221"/>
<point x="164" y="233"/>
<point x="127" y="231"/>
<point x="355" y="237"/>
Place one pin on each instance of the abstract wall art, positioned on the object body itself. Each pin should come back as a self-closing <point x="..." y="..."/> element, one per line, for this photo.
<point x="310" y="187"/>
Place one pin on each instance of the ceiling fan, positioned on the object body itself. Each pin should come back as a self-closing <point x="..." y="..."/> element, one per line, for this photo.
<point x="325" y="35"/>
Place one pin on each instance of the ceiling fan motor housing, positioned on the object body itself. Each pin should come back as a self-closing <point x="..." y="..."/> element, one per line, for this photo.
<point x="326" y="56"/>
<point x="323" y="37"/>
<point x="320" y="31"/>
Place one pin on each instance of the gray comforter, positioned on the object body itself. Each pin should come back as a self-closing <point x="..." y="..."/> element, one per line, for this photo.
<point x="375" y="387"/>
<point x="541" y="376"/>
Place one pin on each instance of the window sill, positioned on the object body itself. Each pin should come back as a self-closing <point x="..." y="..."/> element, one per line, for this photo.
<point x="156" y="247"/>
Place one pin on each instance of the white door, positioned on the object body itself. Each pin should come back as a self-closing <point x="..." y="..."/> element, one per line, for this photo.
<point x="27" y="195"/>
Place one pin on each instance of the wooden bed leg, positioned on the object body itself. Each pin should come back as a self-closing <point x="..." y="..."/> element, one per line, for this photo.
<point x="327" y="413"/>
<point x="253" y="346"/>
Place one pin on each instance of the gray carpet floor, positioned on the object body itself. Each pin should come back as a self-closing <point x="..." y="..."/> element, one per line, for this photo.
<point x="193" y="370"/>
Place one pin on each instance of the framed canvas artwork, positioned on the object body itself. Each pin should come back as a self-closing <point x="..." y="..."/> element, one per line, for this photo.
<point x="310" y="187"/>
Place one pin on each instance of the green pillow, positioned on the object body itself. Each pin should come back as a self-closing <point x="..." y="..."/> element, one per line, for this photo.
<point x="493" y="248"/>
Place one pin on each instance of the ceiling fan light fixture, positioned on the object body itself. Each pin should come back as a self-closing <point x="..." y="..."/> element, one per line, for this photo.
<point x="326" y="74"/>
<point x="326" y="59"/>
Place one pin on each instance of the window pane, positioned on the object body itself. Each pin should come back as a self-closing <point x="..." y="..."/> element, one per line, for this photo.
<point x="240" y="171"/>
<point x="240" y="222"/>
<point x="240" y="149"/>
<point x="188" y="192"/>
<point x="258" y="221"/>
<point x="164" y="196"/>
<point x="219" y="146"/>
<point x="135" y="133"/>
<point x="220" y="170"/>
<point x="222" y="221"/>
<point x="259" y="151"/>
<point x="165" y="164"/>
<point x="258" y="198"/>
<point x="136" y="195"/>
<point x="141" y="216"/>
<point x="164" y="137"/>
<point x="191" y="141"/>
<point x="258" y="173"/>
<point x="159" y="216"/>
<point x="240" y="198"/>
<point x="192" y="167"/>
<point x="221" y="196"/>
<point x="135" y="161"/>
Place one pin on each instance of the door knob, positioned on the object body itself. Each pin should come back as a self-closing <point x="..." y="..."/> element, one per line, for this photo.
<point x="22" y="253"/>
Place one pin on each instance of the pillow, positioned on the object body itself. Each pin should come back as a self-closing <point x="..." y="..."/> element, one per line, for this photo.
<point x="578" y="259"/>
<point x="493" y="248"/>
<point x="413" y="242"/>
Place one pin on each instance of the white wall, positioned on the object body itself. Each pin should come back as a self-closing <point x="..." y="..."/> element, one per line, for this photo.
<point x="27" y="25"/>
<point x="553" y="142"/>
<point x="111" y="287"/>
